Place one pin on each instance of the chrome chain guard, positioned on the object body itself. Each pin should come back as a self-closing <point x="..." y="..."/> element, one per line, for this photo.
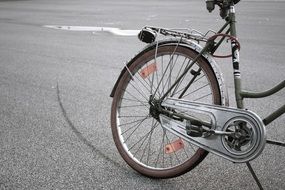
<point x="222" y="119"/>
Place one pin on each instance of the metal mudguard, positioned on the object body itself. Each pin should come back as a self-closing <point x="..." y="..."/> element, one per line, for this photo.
<point x="191" y="45"/>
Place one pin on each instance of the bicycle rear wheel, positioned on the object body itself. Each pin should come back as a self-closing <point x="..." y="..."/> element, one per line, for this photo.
<point x="140" y="139"/>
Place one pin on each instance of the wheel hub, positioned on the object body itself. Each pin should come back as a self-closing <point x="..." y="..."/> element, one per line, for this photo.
<point x="155" y="107"/>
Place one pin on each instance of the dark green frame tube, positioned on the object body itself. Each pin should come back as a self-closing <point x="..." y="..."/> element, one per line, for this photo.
<point x="248" y="94"/>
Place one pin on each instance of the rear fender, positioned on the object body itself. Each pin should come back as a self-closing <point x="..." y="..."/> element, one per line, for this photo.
<point x="191" y="45"/>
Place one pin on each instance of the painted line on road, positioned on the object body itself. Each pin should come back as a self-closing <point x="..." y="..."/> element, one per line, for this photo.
<point x="114" y="31"/>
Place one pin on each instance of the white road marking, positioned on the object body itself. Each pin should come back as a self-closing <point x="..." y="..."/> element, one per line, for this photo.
<point x="115" y="31"/>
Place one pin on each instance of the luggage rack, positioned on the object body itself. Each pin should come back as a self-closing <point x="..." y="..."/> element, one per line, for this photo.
<point x="148" y="34"/>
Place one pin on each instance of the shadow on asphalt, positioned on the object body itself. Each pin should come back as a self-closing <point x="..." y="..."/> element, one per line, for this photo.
<point x="79" y="135"/>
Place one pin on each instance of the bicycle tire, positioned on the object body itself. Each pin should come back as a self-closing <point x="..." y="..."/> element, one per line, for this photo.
<point x="133" y="81"/>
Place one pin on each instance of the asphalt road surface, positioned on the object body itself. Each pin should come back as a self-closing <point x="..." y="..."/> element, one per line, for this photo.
<point x="55" y="85"/>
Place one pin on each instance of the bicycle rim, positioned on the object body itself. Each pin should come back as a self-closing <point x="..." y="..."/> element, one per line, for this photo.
<point x="139" y="137"/>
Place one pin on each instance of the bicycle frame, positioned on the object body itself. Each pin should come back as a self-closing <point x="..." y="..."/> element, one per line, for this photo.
<point x="239" y="93"/>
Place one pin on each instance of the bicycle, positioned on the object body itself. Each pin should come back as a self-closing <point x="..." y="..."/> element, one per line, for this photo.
<point x="170" y="103"/>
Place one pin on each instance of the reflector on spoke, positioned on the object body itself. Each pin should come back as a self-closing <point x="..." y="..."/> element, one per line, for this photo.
<point x="148" y="70"/>
<point x="174" y="146"/>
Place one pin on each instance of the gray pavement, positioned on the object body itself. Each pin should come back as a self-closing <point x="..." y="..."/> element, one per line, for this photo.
<point x="55" y="85"/>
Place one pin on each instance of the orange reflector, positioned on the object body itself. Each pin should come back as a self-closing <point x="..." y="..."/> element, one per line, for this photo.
<point x="174" y="146"/>
<point x="148" y="70"/>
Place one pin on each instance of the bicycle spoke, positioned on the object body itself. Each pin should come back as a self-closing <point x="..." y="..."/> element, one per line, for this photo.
<point x="135" y="100"/>
<point x="191" y="146"/>
<point x="166" y="68"/>
<point x="140" y="92"/>
<point x="196" y="90"/>
<point x="133" y="131"/>
<point x="136" y="121"/>
<point x="132" y="77"/>
<point x="161" y="149"/>
<point x="199" y="78"/>
<point x="142" y="102"/>
<point x="149" y="143"/>
<point x="203" y="97"/>
<point x="162" y="70"/>
<point x="142" y="138"/>
<point x="121" y="116"/>
<point x="148" y="136"/>
<point x="168" y="83"/>
<point x="152" y="83"/>
<point x="177" y="86"/>
<point x="181" y="81"/>
<point x="135" y="125"/>
<point x="155" y="76"/>
<point x="131" y="106"/>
